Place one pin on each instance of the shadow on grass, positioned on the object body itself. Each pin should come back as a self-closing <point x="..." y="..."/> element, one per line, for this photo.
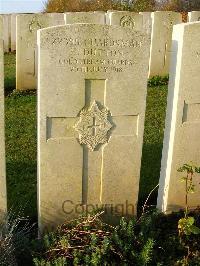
<point x="9" y="85"/>
<point x="9" y="72"/>
<point x="22" y="187"/>
<point x="150" y="172"/>
<point x="21" y="157"/>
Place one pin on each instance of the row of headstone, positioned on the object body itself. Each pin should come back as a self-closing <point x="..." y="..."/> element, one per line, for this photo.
<point x="27" y="25"/>
<point x="101" y="18"/>
<point x="158" y="24"/>
<point x="90" y="143"/>
<point x="3" y="199"/>
<point x="9" y="32"/>
<point x="103" y="108"/>
<point x="91" y="106"/>
<point x="9" y="22"/>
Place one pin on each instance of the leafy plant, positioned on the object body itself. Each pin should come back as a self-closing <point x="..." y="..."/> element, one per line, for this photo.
<point x="186" y="225"/>
<point x="88" y="241"/>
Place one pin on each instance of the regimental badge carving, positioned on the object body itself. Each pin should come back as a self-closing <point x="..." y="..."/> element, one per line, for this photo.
<point x="34" y="25"/>
<point x="93" y="126"/>
<point x="127" y="22"/>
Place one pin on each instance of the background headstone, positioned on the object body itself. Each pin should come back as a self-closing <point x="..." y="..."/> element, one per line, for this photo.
<point x="126" y="19"/>
<point x="162" y="27"/>
<point x="194" y="16"/>
<point x="9" y="30"/>
<point x="85" y="17"/>
<point x="182" y="126"/>
<point x="91" y="118"/>
<point x="3" y="199"/>
<point x="147" y="22"/>
<point x="6" y="32"/>
<point x="27" y="26"/>
<point x="13" y="32"/>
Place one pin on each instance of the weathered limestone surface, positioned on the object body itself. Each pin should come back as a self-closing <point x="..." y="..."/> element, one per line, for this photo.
<point x="3" y="200"/>
<point x="6" y="32"/>
<point x="96" y="17"/>
<point x="162" y="26"/>
<point x="182" y="134"/>
<point x="91" y="109"/>
<point x="147" y="21"/>
<point x="194" y="16"/>
<point x="13" y="32"/>
<point x="27" y="26"/>
<point x="126" y="19"/>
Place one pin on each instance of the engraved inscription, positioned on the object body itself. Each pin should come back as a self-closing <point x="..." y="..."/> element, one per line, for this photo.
<point x="93" y="126"/>
<point x="93" y="42"/>
<point x="96" y="60"/>
<point x="95" y="65"/>
<point x="93" y="55"/>
<point x="127" y="22"/>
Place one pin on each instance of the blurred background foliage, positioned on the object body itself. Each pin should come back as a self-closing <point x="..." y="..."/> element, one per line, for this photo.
<point x="130" y="5"/>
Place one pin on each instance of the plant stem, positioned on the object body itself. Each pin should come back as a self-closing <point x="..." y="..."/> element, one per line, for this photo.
<point x="186" y="196"/>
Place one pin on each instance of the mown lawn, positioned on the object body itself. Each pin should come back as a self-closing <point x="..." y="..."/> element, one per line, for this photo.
<point x="21" y="148"/>
<point x="9" y="72"/>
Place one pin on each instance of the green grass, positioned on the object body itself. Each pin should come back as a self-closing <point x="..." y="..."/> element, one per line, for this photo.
<point x="21" y="143"/>
<point x="9" y="72"/>
<point x="153" y="141"/>
<point x="20" y="114"/>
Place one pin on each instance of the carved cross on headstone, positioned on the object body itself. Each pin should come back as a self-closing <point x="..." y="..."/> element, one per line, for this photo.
<point x="93" y="124"/>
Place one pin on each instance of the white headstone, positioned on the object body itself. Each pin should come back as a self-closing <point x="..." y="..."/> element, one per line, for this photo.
<point x="3" y="199"/>
<point x="126" y="19"/>
<point x="91" y="118"/>
<point x="85" y="17"/>
<point x="13" y="32"/>
<point x="162" y="26"/>
<point x="147" y="22"/>
<point x="6" y="32"/>
<point x="9" y="30"/>
<point x="182" y="126"/>
<point x="194" y="16"/>
<point x="27" y="26"/>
